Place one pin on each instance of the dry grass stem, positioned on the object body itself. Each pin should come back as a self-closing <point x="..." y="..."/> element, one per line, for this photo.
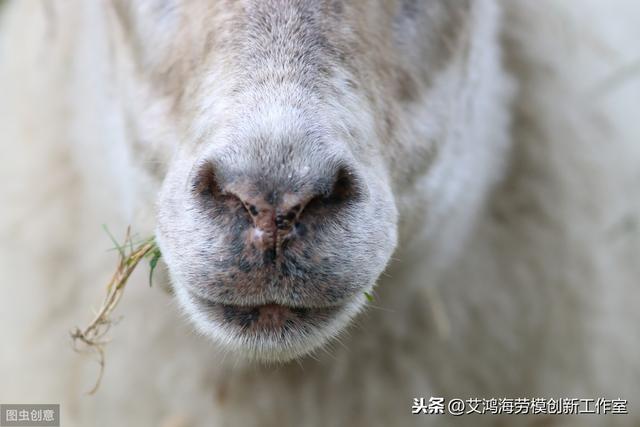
<point x="93" y="337"/>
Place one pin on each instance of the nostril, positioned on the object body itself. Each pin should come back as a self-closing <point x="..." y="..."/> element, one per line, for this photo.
<point x="210" y="191"/>
<point x="342" y="190"/>
<point x="344" y="187"/>
<point x="205" y="182"/>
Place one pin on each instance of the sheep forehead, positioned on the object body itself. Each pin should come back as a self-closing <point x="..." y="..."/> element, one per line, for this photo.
<point x="303" y="40"/>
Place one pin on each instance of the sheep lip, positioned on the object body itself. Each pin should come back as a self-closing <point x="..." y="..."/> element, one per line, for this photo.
<point x="271" y="331"/>
<point x="268" y="318"/>
<point x="267" y="307"/>
<point x="272" y="305"/>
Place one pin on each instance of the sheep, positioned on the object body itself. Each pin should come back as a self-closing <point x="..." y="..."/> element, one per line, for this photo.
<point x="472" y="164"/>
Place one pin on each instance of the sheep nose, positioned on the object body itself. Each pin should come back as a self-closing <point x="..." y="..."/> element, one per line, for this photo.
<point x="278" y="208"/>
<point x="271" y="222"/>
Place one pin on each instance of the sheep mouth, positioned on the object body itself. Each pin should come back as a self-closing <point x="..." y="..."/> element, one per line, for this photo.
<point x="267" y="318"/>
<point x="272" y="331"/>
